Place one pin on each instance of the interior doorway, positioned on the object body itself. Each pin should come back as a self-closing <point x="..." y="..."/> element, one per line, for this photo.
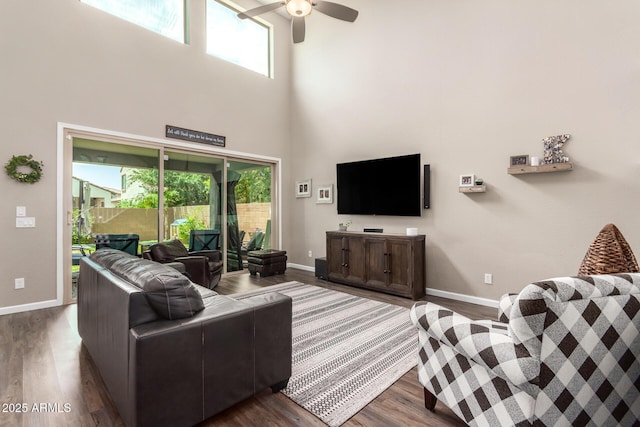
<point x="159" y="190"/>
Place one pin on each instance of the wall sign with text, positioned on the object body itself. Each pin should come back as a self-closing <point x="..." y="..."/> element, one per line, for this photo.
<point x="195" y="136"/>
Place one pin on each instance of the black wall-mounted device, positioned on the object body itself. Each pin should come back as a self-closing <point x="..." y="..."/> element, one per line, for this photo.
<point x="427" y="185"/>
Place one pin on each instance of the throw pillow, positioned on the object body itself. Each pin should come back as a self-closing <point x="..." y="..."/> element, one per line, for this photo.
<point x="169" y="293"/>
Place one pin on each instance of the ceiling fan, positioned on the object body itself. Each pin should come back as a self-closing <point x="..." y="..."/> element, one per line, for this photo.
<point x="298" y="9"/>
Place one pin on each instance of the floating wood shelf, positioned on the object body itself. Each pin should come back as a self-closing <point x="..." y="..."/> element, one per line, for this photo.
<point x="554" y="167"/>
<point x="473" y="189"/>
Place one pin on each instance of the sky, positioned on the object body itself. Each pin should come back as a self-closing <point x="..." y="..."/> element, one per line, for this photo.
<point x="101" y="175"/>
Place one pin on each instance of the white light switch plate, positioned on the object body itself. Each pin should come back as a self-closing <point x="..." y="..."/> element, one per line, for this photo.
<point x="21" y="211"/>
<point x="26" y="222"/>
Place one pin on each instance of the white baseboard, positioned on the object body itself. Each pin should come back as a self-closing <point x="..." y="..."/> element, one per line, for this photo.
<point x="462" y="297"/>
<point x="28" y="307"/>
<point x="435" y="292"/>
<point x="301" y="267"/>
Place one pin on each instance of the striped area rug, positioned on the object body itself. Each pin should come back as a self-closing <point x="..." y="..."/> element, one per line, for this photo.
<point x="346" y="349"/>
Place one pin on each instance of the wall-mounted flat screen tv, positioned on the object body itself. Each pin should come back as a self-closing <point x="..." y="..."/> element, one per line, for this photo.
<point x="389" y="186"/>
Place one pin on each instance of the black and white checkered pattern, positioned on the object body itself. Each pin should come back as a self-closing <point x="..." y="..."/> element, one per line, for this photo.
<point x="504" y="307"/>
<point x="569" y="355"/>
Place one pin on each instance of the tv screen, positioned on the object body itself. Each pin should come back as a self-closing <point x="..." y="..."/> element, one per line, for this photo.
<point x="389" y="186"/>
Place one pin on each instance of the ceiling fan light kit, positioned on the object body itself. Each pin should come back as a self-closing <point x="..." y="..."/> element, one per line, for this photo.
<point x="298" y="9"/>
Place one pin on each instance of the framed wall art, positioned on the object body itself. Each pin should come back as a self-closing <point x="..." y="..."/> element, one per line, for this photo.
<point x="466" y="180"/>
<point x="303" y="188"/>
<point x="324" y="194"/>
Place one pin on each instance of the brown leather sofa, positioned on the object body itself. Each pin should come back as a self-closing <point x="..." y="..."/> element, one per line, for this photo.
<point x="174" y="353"/>
<point x="202" y="267"/>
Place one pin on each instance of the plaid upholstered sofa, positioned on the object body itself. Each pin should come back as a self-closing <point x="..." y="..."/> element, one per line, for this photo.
<point x="568" y="355"/>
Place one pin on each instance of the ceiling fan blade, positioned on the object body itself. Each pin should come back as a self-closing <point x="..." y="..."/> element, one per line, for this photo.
<point x="336" y="10"/>
<point x="260" y="10"/>
<point x="297" y="29"/>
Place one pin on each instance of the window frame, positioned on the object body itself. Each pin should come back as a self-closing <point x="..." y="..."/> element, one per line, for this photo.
<point x="257" y="20"/>
<point x="185" y="21"/>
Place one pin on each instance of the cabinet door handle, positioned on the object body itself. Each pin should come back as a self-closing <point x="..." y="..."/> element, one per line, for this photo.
<point x="387" y="263"/>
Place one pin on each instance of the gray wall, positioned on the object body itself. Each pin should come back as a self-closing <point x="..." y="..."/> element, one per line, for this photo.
<point x="64" y="61"/>
<point x="468" y="84"/>
<point x="465" y="83"/>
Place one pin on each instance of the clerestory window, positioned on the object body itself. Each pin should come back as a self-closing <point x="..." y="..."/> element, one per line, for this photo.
<point x="166" y="17"/>
<point x="245" y="42"/>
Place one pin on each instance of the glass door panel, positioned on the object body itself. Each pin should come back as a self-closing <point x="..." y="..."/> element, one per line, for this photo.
<point x="192" y="204"/>
<point x="113" y="193"/>
<point x="115" y="190"/>
<point x="248" y="210"/>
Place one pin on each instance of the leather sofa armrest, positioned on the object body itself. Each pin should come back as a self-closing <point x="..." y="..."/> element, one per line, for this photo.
<point x="213" y="255"/>
<point x="197" y="268"/>
<point x="226" y="353"/>
<point x="176" y="367"/>
<point x="178" y="266"/>
<point x="165" y="373"/>
<point x="273" y="346"/>
<point x="191" y="260"/>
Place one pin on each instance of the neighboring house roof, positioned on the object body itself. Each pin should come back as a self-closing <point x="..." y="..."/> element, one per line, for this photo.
<point x="110" y="190"/>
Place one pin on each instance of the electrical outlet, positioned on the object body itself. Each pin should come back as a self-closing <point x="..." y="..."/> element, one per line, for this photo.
<point x="310" y="254"/>
<point x="19" y="283"/>
<point x="488" y="278"/>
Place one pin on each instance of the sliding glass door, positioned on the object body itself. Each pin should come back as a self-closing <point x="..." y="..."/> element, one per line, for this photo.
<point x="158" y="193"/>
<point x="192" y="202"/>
<point x="249" y="207"/>
<point x="109" y="197"/>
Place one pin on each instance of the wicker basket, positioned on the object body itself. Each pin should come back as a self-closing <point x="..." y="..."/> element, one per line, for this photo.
<point x="609" y="253"/>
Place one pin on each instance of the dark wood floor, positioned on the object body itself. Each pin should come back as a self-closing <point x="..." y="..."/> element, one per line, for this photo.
<point x="44" y="366"/>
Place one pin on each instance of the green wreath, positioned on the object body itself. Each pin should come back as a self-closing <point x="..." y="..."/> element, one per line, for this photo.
<point x="24" y="161"/>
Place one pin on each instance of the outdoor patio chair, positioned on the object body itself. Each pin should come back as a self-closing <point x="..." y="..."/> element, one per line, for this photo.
<point x="124" y="242"/>
<point x="204" y="240"/>
<point x="255" y="243"/>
